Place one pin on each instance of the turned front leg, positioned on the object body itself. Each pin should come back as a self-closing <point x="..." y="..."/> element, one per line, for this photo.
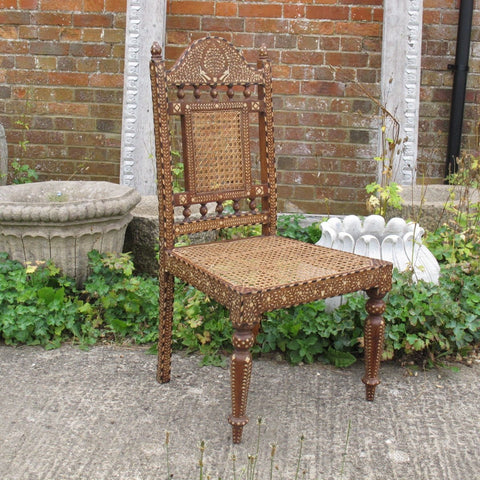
<point x="374" y="338"/>
<point x="240" y="371"/>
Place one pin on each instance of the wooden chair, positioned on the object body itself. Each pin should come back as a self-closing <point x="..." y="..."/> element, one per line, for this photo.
<point x="220" y="102"/>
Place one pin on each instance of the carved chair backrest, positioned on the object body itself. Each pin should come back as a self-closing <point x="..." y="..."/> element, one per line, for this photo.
<point x="217" y="101"/>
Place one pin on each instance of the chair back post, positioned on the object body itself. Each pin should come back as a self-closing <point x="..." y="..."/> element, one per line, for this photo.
<point x="267" y="146"/>
<point x="162" y="149"/>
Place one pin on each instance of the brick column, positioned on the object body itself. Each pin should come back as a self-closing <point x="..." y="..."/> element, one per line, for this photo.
<point x="145" y="24"/>
<point x="401" y="58"/>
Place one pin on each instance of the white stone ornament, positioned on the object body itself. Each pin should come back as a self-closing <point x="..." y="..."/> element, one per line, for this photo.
<point x="398" y="242"/>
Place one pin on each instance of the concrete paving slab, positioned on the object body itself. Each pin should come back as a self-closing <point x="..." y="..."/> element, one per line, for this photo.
<point x="100" y="415"/>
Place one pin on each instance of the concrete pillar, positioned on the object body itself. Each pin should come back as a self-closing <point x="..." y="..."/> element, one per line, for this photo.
<point x="401" y="61"/>
<point x="145" y="24"/>
<point x="3" y="157"/>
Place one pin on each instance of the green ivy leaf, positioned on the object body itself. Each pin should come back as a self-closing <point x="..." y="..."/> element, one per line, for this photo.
<point x="340" y="359"/>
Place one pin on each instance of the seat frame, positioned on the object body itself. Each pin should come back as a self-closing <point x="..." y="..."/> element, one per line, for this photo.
<point x="216" y="147"/>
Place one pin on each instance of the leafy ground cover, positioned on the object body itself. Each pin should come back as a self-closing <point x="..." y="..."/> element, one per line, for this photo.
<point x="39" y="306"/>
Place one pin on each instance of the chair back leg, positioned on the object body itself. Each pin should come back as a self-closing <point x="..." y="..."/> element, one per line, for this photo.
<point x="165" y="327"/>
<point x="373" y="339"/>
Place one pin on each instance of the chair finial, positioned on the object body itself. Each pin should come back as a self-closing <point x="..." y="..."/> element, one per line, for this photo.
<point x="156" y="50"/>
<point x="263" y="51"/>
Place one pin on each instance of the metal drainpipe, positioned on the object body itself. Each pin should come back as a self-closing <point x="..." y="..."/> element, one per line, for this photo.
<point x="459" y="85"/>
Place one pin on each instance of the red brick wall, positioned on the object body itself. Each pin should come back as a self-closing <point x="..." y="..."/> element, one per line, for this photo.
<point x="438" y="51"/>
<point x="61" y="64"/>
<point x="320" y="51"/>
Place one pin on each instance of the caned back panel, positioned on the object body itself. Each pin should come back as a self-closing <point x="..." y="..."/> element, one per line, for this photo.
<point x="217" y="149"/>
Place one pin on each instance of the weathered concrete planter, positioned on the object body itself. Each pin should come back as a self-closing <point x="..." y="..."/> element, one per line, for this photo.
<point x="63" y="221"/>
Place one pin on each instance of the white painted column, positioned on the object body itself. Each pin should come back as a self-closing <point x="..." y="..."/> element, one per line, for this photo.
<point x="3" y="156"/>
<point x="401" y="63"/>
<point x="145" y="24"/>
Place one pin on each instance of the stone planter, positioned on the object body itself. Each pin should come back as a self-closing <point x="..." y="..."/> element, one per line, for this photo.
<point x="63" y="221"/>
